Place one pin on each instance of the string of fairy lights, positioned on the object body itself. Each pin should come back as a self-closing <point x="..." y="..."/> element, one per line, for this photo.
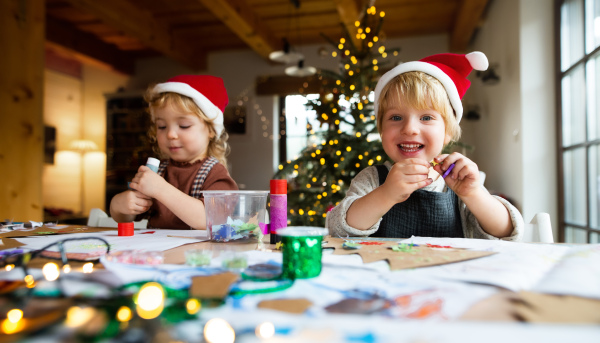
<point x="149" y="301"/>
<point x="243" y="99"/>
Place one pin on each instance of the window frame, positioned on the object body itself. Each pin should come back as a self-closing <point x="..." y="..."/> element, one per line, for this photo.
<point x="587" y="144"/>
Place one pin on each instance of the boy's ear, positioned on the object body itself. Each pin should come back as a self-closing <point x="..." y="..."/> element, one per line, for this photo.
<point x="447" y="138"/>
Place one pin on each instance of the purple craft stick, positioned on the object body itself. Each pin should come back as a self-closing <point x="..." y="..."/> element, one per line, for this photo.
<point x="448" y="171"/>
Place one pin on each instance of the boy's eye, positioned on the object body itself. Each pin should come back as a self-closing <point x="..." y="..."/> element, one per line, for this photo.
<point x="185" y="126"/>
<point x="161" y="127"/>
<point x="426" y="118"/>
<point x="395" y="118"/>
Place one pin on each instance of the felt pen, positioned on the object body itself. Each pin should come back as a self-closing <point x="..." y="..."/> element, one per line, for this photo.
<point x="448" y="171"/>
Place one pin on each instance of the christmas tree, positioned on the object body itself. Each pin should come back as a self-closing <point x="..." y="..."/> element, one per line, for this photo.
<point x="349" y="141"/>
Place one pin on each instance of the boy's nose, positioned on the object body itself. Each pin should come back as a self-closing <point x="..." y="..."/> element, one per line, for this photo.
<point x="411" y="127"/>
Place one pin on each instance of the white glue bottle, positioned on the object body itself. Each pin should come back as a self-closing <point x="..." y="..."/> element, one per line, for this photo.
<point x="153" y="164"/>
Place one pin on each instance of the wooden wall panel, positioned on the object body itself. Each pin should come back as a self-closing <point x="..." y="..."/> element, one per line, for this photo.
<point x="21" y="109"/>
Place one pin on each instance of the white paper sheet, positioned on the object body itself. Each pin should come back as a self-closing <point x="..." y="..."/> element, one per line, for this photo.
<point x="577" y="273"/>
<point x="516" y="266"/>
<point x="352" y="328"/>
<point x="157" y="241"/>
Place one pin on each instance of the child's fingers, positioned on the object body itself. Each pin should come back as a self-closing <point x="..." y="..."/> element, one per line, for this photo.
<point x="416" y="162"/>
<point x="467" y="171"/>
<point x="439" y="159"/>
<point x="409" y="167"/>
<point x="423" y="183"/>
<point x="415" y="179"/>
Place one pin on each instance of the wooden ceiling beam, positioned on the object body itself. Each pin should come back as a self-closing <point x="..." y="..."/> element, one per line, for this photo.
<point x="241" y="19"/>
<point x="139" y="23"/>
<point x="69" y="37"/>
<point x="467" y="21"/>
<point x="349" y="14"/>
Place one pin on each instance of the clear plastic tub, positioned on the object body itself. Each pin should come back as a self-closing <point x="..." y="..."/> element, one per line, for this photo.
<point x="235" y="215"/>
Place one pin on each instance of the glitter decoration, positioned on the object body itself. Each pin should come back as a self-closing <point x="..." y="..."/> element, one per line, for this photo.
<point x="302" y="251"/>
<point x="198" y="257"/>
<point x="234" y="261"/>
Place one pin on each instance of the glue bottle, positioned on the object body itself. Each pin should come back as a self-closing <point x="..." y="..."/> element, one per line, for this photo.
<point x="278" y="212"/>
<point x="153" y="164"/>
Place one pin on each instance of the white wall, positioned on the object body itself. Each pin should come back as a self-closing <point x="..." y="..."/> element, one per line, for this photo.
<point x="538" y="110"/>
<point x="515" y="138"/>
<point x="96" y="83"/>
<point x="496" y="136"/>
<point x="77" y="108"/>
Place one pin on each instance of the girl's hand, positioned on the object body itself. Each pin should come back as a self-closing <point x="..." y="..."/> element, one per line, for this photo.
<point x="406" y="177"/>
<point x="131" y="203"/>
<point x="147" y="182"/>
<point x="464" y="177"/>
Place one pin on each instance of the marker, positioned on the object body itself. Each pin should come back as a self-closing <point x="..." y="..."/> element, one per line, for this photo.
<point x="448" y="171"/>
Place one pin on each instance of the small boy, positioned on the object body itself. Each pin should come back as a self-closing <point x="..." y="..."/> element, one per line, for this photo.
<point x="418" y="109"/>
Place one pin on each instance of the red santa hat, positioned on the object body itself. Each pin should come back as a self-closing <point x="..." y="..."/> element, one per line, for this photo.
<point x="208" y="92"/>
<point x="450" y="69"/>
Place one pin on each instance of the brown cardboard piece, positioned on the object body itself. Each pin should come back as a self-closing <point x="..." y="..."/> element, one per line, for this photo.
<point x="9" y="243"/>
<point x="418" y="256"/>
<point x="213" y="286"/>
<point x="546" y="308"/>
<point x="296" y="306"/>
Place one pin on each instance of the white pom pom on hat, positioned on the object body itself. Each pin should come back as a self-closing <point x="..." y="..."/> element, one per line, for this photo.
<point x="450" y="69"/>
<point x="208" y="92"/>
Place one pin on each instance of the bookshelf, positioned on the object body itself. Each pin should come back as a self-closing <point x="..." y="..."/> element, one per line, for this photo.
<point x="127" y="141"/>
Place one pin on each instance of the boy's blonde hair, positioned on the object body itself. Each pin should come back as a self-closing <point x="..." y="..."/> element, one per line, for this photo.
<point x="421" y="91"/>
<point x="217" y="145"/>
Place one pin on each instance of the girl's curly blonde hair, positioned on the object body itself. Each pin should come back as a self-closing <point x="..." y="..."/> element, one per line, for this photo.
<point x="217" y="145"/>
<point x="421" y="91"/>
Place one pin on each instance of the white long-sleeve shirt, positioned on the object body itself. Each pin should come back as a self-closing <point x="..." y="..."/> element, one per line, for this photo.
<point x="368" y="179"/>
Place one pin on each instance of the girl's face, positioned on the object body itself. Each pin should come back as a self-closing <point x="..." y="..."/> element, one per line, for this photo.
<point x="411" y="133"/>
<point x="182" y="136"/>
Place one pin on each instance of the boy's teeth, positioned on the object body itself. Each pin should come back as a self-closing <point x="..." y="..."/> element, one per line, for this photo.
<point x="410" y="147"/>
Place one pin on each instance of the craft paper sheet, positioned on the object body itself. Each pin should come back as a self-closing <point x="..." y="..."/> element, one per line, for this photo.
<point x="516" y="266"/>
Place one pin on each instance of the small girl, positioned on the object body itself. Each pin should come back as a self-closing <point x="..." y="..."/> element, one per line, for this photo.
<point x="424" y="193"/>
<point x="187" y="125"/>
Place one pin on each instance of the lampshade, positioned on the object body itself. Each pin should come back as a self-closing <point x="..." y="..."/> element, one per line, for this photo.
<point x="300" y="70"/>
<point x="285" y="56"/>
<point x="83" y="145"/>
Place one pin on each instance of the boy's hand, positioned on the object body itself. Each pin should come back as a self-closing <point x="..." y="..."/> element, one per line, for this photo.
<point x="406" y="177"/>
<point x="464" y="177"/>
<point x="147" y="182"/>
<point x="131" y="202"/>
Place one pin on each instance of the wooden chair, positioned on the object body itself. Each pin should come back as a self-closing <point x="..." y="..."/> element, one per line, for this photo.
<point x="539" y="229"/>
<point x="99" y="218"/>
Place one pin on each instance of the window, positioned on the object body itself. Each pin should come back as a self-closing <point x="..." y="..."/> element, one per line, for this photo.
<point x="299" y="122"/>
<point x="579" y="150"/>
<point x="301" y="125"/>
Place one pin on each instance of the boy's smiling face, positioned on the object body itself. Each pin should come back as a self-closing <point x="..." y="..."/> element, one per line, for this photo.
<point x="407" y="132"/>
